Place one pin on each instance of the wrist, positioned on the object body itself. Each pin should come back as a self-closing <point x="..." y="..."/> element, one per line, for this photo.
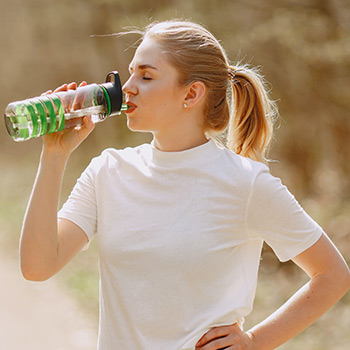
<point x="54" y="156"/>
<point x="259" y="342"/>
<point x="253" y="341"/>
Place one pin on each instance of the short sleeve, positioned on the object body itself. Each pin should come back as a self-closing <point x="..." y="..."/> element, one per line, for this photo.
<point x="81" y="208"/>
<point x="274" y="215"/>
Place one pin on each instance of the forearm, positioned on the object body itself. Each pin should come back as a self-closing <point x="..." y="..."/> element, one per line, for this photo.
<point x="39" y="239"/>
<point x="300" y="311"/>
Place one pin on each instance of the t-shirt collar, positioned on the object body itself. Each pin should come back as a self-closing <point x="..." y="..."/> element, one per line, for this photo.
<point x="193" y="155"/>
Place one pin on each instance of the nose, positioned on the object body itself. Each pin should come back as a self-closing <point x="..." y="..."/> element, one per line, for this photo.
<point x="129" y="88"/>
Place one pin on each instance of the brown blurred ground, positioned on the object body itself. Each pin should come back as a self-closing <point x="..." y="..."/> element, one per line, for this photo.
<point x="41" y="316"/>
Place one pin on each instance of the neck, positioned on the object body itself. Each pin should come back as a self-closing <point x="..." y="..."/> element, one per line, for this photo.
<point x="179" y="142"/>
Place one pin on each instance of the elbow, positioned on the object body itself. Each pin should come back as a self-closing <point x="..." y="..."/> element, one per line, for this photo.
<point x="36" y="267"/>
<point x="34" y="277"/>
<point x="347" y="281"/>
<point x="30" y="273"/>
<point x="336" y="282"/>
<point x="343" y="280"/>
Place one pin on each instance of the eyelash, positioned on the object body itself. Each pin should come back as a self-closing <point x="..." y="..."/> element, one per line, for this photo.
<point x="143" y="78"/>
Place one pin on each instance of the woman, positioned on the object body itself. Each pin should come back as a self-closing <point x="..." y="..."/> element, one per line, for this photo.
<point x="181" y="221"/>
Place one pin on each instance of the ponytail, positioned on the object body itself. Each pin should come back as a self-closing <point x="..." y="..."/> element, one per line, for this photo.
<point x="251" y="124"/>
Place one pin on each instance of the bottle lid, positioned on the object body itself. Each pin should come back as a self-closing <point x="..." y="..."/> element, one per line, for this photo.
<point x="114" y="92"/>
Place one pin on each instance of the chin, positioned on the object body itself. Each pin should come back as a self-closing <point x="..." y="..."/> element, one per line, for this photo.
<point x="131" y="126"/>
<point x="134" y="126"/>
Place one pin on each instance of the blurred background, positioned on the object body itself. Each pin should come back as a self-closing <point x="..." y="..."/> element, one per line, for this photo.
<point x="303" y="48"/>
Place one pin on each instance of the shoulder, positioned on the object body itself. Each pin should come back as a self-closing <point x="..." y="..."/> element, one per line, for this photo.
<point x="237" y="172"/>
<point x="243" y="166"/>
<point x="112" y="157"/>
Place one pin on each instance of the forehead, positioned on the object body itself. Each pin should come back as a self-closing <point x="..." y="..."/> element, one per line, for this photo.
<point x="149" y="52"/>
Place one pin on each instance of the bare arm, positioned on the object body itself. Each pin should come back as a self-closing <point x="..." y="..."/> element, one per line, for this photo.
<point x="46" y="244"/>
<point x="329" y="281"/>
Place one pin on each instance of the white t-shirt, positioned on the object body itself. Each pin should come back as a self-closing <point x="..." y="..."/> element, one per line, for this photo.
<point x="180" y="236"/>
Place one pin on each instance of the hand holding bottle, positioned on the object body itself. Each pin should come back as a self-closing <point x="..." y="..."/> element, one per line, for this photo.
<point x="68" y="139"/>
<point x="64" y="108"/>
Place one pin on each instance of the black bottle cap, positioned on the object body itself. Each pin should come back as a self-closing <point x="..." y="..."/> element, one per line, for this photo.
<point x="114" y="91"/>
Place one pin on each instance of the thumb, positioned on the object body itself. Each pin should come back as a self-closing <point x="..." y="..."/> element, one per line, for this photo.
<point x="86" y="128"/>
<point x="237" y="327"/>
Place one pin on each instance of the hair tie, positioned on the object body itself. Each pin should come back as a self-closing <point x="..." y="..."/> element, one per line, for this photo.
<point x="231" y="73"/>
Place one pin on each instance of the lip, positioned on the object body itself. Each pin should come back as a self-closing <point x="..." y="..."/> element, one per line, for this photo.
<point x="132" y="107"/>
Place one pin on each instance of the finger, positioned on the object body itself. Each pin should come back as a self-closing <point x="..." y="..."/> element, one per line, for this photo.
<point x="80" y="97"/>
<point x="214" y="333"/>
<point x="72" y="86"/>
<point x="88" y="123"/>
<point x="46" y="92"/>
<point x="219" y="343"/>
<point x="236" y="327"/>
<point x="63" y="87"/>
<point x="87" y="127"/>
<point x="68" y="98"/>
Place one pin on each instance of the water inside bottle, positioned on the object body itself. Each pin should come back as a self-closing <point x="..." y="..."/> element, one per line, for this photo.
<point x="45" y="114"/>
<point x="23" y="121"/>
<point x="29" y="119"/>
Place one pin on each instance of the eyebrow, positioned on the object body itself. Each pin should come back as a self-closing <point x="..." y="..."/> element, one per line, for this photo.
<point x="144" y="66"/>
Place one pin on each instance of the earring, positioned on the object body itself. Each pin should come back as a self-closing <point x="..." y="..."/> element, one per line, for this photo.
<point x="185" y="105"/>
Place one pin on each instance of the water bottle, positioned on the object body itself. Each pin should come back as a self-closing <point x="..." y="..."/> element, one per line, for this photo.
<point x="54" y="112"/>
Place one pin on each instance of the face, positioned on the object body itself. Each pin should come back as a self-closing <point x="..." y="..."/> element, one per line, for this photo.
<point x="152" y="92"/>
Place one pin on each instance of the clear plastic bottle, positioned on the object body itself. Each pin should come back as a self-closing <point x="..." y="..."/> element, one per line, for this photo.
<point x="54" y="112"/>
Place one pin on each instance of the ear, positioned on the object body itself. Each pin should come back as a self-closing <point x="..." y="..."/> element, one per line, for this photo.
<point x="195" y="94"/>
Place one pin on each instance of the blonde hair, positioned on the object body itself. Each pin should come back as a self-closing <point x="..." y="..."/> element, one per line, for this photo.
<point x="198" y="56"/>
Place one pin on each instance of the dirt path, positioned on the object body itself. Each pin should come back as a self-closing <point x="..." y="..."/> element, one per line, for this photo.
<point x="40" y="316"/>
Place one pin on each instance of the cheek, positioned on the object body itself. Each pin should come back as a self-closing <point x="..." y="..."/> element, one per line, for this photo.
<point x="169" y="102"/>
<point x="160" y="101"/>
<point x="160" y="105"/>
<point x="165" y="111"/>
